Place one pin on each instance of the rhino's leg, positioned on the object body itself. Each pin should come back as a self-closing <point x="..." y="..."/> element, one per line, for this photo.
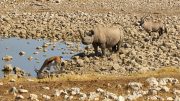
<point x="114" y="48"/>
<point x="118" y="46"/>
<point x="103" y="48"/>
<point x="95" y="46"/>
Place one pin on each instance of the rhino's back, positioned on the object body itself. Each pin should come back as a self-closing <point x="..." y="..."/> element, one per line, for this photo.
<point x="108" y="35"/>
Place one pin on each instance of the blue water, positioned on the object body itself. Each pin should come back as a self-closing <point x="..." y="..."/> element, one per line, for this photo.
<point x="13" y="46"/>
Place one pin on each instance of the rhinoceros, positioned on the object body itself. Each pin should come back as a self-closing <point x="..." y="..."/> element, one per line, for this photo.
<point x="103" y="37"/>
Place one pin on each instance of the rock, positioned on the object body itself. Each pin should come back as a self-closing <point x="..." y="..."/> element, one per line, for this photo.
<point x="19" y="97"/>
<point x="177" y="98"/>
<point x="30" y="58"/>
<point x="83" y="96"/>
<point x="165" y="89"/>
<point x="39" y="48"/>
<point x="46" y="97"/>
<point x="115" y="66"/>
<point x="57" y="93"/>
<point x="23" y="91"/>
<point x="93" y="96"/>
<point x="135" y="85"/>
<point x="33" y="97"/>
<point x="170" y="80"/>
<point x="101" y="91"/>
<point x="111" y="95"/>
<point x="36" y="53"/>
<point x="152" y="81"/>
<point x="133" y="96"/>
<point x="7" y="58"/>
<point x="169" y="99"/>
<point x="176" y="91"/>
<point x="163" y="82"/>
<point x="46" y="88"/>
<point x="45" y="45"/>
<point x="121" y="98"/>
<point x="13" y="90"/>
<point x="177" y="27"/>
<point x="12" y="80"/>
<point x="70" y="98"/>
<point x="106" y="99"/>
<point x="22" y="53"/>
<point x="31" y="80"/>
<point x="80" y="63"/>
<point x="1" y="83"/>
<point x="7" y="67"/>
<point x="66" y="97"/>
<point x="152" y="92"/>
<point x="153" y="98"/>
<point x="75" y="91"/>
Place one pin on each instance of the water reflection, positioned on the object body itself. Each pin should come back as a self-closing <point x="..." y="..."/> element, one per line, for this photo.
<point x="13" y="46"/>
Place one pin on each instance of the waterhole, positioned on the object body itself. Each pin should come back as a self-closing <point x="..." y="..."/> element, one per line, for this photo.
<point x="33" y="48"/>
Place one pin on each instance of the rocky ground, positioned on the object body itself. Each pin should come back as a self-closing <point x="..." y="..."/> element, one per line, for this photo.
<point x="148" y="86"/>
<point x="60" y="19"/>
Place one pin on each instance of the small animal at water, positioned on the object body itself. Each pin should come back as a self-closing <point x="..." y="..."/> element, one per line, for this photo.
<point x="54" y="61"/>
<point x="103" y="37"/>
<point x="149" y="25"/>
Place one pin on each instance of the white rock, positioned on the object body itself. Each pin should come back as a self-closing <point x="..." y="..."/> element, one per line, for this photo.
<point x="36" y="53"/>
<point x="57" y="93"/>
<point x="30" y="58"/>
<point x="83" y="96"/>
<point x="170" y="99"/>
<point x="152" y="81"/>
<point x="177" y="98"/>
<point x="46" y="97"/>
<point x="111" y="95"/>
<point x="163" y="82"/>
<point x="70" y="98"/>
<point x="23" y="91"/>
<point x="7" y="58"/>
<point x="176" y="92"/>
<point x="31" y="80"/>
<point x="19" y="97"/>
<point x="22" y="53"/>
<point x="93" y="95"/>
<point x="165" y="88"/>
<point x="134" y="96"/>
<point x="152" y="92"/>
<point x="12" y="80"/>
<point x="121" y="98"/>
<point x="66" y="97"/>
<point x="135" y="85"/>
<point x="63" y="92"/>
<point x="116" y="66"/>
<point x="13" y="90"/>
<point x="75" y="90"/>
<point x="171" y="80"/>
<point x="1" y="83"/>
<point x="46" y="88"/>
<point x="33" y="97"/>
<point x="99" y="90"/>
<point x="107" y="99"/>
<point x="152" y="98"/>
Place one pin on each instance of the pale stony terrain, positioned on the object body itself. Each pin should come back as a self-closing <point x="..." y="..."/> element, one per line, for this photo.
<point x="60" y="19"/>
<point x="30" y="19"/>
